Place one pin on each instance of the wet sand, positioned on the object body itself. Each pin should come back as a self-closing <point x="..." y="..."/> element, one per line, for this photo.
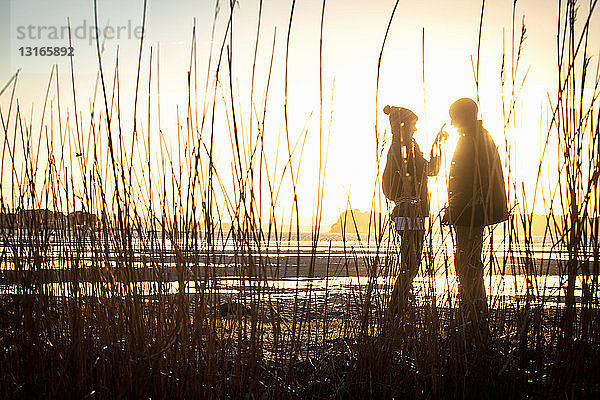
<point x="285" y="265"/>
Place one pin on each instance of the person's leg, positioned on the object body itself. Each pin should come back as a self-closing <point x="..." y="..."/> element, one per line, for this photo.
<point x="411" y="248"/>
<point x="467" y="262"/>
<point x="474" y="260"/>
<point x="469" y="268"/>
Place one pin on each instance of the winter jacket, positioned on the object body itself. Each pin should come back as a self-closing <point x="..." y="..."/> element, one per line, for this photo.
<point x="405" y="179"/>
<point x="476" y="192"/>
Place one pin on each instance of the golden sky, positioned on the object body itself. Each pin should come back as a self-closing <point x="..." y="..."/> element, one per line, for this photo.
<point x="352" y="39"/>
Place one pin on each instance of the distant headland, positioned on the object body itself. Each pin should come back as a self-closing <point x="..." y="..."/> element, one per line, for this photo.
<point x="352" y="221"/>
<point x="46" y="218"/>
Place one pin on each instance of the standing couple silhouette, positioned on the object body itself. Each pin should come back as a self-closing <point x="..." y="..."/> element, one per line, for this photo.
<point x="476" y="198"/>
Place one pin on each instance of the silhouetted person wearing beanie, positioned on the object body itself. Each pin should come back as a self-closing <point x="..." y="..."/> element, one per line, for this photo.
<point x="476" y="198"/>
<point x="405" y="182"/>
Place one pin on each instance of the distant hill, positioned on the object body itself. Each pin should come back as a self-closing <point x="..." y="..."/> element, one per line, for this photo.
<point x="541" y="224"/>
<point x="352" y="221"/>
<point x="44" y="218"/>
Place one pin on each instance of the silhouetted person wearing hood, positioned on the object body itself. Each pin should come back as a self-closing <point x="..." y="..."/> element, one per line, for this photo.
<point x="405" y="182"/>
<point x="476" y="198"/>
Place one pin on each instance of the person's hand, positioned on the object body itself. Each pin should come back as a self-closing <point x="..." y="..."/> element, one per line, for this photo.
<point x="442" y="134"/>
<point x="436" y="147"/>
<point x="444" y="220"/>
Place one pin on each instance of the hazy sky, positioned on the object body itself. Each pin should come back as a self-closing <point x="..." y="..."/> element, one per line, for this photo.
<point x="353" y="34"/>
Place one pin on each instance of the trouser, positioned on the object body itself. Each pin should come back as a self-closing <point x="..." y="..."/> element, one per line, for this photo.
<point x="411" y="248"/>
<point x="469" y="268"/>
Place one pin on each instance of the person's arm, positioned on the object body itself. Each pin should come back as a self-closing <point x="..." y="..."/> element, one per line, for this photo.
<point x="435" y="160"/>
<point x="435" y="155"/>
<point x="391" y="176"/>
